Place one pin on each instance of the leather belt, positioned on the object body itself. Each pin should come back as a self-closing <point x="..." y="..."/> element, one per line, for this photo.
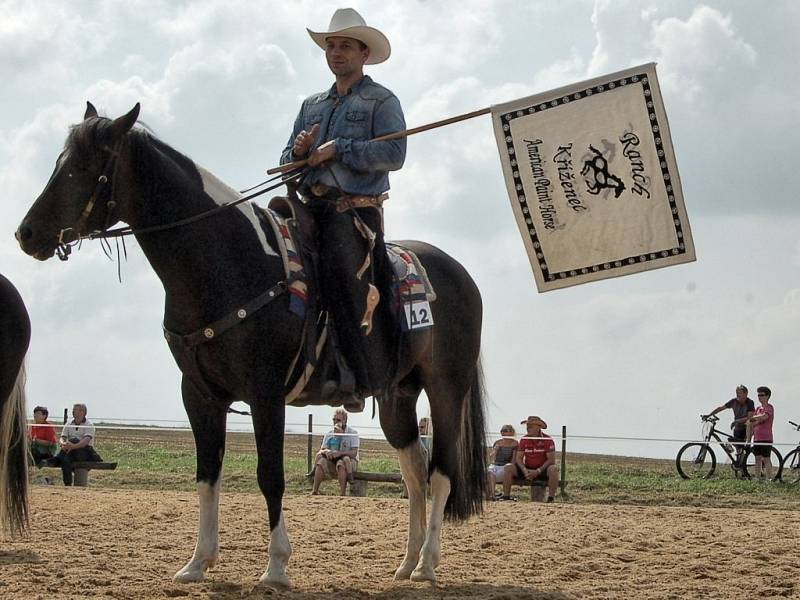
<point x="345" y="202"/>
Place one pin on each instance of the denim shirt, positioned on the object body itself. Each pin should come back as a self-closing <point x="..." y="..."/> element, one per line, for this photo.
<point x="360" y="166"/>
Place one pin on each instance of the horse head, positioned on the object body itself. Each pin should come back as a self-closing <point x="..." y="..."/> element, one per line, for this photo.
<point x="79" y="197"/>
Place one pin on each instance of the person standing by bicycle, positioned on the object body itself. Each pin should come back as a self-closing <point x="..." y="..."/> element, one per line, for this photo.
<point x="743" y="409"/>
<point x="761" y="423"/>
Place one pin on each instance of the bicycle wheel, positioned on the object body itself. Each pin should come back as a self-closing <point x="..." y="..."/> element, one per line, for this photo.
<point x="790" y="468"/>
<point x="696" y="461"/>
<point x="748" y="470"/>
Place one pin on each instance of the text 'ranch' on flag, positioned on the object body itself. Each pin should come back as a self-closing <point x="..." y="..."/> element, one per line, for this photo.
<point x="593" y="181"/>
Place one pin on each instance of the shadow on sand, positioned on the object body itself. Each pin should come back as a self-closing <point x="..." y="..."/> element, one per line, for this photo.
<point x="400" y="591"/>
<point x="19" y="557"/>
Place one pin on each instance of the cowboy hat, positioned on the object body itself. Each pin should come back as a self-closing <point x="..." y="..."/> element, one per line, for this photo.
<point x="534" y="421"/>
<point x="346" y="22"/>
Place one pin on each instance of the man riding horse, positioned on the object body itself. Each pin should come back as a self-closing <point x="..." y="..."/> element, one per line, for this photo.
<point x="344" y="187"/>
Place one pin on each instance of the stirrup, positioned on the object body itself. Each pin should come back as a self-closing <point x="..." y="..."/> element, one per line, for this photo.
<point x="353" y="403"/>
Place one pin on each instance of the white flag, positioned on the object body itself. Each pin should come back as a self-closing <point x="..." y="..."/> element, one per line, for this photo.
<point x="592" y="179"/>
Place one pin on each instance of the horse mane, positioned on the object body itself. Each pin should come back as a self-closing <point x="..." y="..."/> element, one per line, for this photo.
<point x="93" y="135"/>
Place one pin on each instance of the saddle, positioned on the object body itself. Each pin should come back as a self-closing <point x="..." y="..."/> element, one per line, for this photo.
<point x="295" y="232"/>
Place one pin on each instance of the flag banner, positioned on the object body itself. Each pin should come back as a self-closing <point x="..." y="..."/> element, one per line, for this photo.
<point x="592" y="179"/>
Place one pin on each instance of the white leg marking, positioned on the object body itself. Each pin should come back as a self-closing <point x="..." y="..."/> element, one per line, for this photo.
<point x="413" y="465"/>
<point x="206" y="551"/>
<point x="432" y="548"/>
<point x="279" y="552"/>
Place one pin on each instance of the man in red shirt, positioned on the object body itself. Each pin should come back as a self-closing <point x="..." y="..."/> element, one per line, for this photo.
<point x="535" y="459"/>
<point x="44" y="443"/>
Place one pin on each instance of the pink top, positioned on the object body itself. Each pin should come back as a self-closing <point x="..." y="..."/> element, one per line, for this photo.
<point x="762" y="432"/>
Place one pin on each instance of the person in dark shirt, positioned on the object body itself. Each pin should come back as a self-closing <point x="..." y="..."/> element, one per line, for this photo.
<point x="743" y="409"/>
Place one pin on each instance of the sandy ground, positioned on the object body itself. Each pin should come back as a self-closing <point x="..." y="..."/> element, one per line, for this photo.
<point x="127" y="544"/>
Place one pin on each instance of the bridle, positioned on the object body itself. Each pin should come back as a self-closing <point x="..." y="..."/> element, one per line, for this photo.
<point x="64" y="245"/>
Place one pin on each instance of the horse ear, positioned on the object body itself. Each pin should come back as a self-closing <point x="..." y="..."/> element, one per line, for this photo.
<point x="91" y="111"/>
<point x="123" y="124"/>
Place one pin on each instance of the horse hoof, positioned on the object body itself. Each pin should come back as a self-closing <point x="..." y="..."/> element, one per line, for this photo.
<point x="423" y="574"/>
<point x="187" y="576"/>
<point x="403" y="572"/>
<point x="194" y="571"/>
<point x="276" y="582"/>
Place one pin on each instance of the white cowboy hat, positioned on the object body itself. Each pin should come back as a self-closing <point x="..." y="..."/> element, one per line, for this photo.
<point x="346" y="22"/>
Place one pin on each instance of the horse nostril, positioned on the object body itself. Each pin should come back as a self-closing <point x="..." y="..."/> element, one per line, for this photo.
<point x="23" y="234"/>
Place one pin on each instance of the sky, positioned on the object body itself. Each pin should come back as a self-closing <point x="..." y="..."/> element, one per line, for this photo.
<point x="639" y="356"/>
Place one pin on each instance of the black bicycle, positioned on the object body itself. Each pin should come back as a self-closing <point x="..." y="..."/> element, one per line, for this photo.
<point x="790" y="467"/>
<point x="696" y="460"/>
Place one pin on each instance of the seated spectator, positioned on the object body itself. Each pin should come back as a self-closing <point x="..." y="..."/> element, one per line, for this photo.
<point x="425" y="434"/>
<point x="77" y="439"/>
<point x="535" y="459"/>
<point x="42" y="436"/>
<point x="761" y="423"/>
<point x="333" y="443"/>
<point x="337" y="464"/>
<point x="501" y="454"/>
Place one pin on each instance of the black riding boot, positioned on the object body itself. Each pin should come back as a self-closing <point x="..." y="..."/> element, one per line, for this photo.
<point x="342" y="253"/>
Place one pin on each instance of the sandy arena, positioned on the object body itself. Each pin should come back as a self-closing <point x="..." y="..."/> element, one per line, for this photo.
<point x="127" y="544"/>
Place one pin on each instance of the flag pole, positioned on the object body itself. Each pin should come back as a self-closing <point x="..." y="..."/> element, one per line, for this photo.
<point x="394" y="136"/>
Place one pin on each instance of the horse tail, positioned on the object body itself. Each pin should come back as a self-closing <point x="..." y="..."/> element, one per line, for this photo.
<point x="468" y="483"/>
<point x="14" y="459"/>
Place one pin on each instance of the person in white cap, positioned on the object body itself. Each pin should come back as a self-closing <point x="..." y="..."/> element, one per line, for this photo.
<point x="344" y="187"/>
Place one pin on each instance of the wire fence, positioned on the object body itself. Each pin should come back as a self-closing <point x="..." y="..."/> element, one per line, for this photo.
<point x="374" y="432"/>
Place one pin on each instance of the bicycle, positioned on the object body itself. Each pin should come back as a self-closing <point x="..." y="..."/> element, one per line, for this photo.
<point x="790" y="467"/>
<point x="697" y="460"/>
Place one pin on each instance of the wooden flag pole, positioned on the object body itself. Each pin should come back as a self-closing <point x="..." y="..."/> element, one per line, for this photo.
<point x="393" y="136"/>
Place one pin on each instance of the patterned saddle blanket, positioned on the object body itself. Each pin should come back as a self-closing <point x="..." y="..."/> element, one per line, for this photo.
<point x="412" y="287"/>
<point x="413" y="291"/>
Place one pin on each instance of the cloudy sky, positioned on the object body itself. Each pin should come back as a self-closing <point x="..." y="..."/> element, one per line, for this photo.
<point x="221" y="80"/>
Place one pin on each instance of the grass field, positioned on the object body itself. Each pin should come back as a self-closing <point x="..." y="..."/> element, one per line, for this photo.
<point x="154" y="459"/>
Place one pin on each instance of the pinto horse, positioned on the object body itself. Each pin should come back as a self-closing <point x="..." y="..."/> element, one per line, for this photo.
<point x="15" y="335"/>
<point x="210" y="267"/>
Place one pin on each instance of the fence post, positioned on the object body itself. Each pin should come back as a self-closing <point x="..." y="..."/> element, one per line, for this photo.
<point x="310" y="429"/>
<point x="563" y="483"/>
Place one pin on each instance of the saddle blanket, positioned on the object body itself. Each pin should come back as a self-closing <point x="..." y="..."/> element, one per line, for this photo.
<point x="413" y="289"/>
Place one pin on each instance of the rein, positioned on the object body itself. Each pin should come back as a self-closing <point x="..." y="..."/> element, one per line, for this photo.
<point x="128" y="230"/>
<point x="64" y="246"/>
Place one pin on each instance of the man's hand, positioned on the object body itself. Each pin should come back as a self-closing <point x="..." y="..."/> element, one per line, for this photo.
<point x="66" y="446"/>
<point x="325" y="152"/>
<point x="304" y="141"/>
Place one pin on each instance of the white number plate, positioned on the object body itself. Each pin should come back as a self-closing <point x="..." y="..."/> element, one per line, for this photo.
<point x="418" y="315"/>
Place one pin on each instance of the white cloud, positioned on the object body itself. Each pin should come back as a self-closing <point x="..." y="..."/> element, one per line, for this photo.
<point x="222" y="81"/>
<point x="703" y="51"/>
